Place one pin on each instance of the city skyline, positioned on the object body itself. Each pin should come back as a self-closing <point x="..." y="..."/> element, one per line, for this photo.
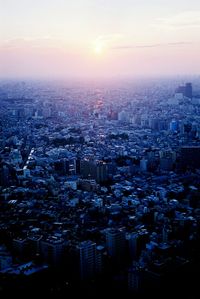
<point x="99" y="189"/>
<point x="100" y="148"/>
<point x="84" y="39"/>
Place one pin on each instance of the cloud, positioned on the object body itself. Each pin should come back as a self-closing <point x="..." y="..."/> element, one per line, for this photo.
<point x="107" y="39"/>
<point x="182" y="20"/>
<point x="173" y="44"/>
<point x="26" y="42"/>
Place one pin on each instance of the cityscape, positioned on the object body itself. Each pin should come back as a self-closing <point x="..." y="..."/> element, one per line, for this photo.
<point x="100" y="171"/>
<point x="100" y="186"/>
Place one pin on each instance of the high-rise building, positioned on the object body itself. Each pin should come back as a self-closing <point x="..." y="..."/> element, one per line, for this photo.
<point x="190" y="156"/>
<point x="115" y="243"/>
<point x="180" y="89"/>
<point x="153" y="123"/>
<point x="33" y="244"/>
<point x="143" y="165"/>
<point x="173" y="126"/>
<point x="52" y="250"/>
<point x="188" y="90"/>
<point x="97" y="170"/>
<point x="5" y="258"/>
<point x="87" y="259"/>
<point x="100" y="250"/>
<point x="62" y="166"/>
<point x="20" y="246"/>
<point x="165" y="233"/>
<point x="166" y="164"/>
<point x="133" y="245"/>
<point x="124" y="116"/>
<point x="4" y="175"/>
<point x="87" y="168"/>
<point x="101" y="171"/>
<point x="137" y="242"/>
<point x="135" y="278"/>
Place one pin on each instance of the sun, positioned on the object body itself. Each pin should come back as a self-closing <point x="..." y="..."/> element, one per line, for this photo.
<point x="99" y="47"/>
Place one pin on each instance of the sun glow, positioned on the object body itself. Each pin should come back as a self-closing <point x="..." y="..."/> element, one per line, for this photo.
<point x="99" y="47"/>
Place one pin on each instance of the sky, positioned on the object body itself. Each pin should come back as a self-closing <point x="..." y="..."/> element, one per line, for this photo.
<point x="99" y="38"/>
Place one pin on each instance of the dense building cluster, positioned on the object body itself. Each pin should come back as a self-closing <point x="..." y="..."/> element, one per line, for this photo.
<point x="99" y="188"/>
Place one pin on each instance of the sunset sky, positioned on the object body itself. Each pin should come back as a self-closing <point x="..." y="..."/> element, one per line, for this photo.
<point x="99" y="38"/>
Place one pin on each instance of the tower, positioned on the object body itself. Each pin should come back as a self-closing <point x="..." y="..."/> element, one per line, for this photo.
<point x="135" y="278"/>
<point x="133" y="245"/>
<point x="87" y="259"/>
<point x="52" y="250"/>
<point x="101" y="171"/>
<point x="115" y="243"/>
<point x="188" y="90"/>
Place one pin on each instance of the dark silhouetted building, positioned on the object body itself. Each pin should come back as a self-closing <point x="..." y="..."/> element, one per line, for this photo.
<point x="190" y="156"/>
<point x="87" y="256"/>
<point x="186" y="90"/>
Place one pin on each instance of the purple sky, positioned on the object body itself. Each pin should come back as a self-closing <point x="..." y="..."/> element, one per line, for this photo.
<point x="102" y="38"/>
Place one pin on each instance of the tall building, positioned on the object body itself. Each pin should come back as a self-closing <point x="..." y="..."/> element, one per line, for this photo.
<point x="5" y="258"/>
<point x="173" y="126"/>
<point x="52" y="250"/>
<point x="100" y="250"/>
<point x="62" y="166"/>
<point x="87" y="259"/>
<point x="101" y="172"/>
<point x="190" y="156"/>
<point x="78" y="165"/>
<point x="165" y="233"/>
<point x="137" y="242"/>
<point x="115" y="243"/>
<point x="124" y="116"/>
<point x="154" y="123"/>
<point x="166" y="164"/>
<point x="33" y="244"/>
<point x="135" y="278"/>
<point x="87" y="169"/>
<point x="180" y="89"/>
<point x="97" y="170"/>
<point x="20" y="246"/>
<point x="188" y="90"/>
<point x="167" y="159"/>
<point x="4" y="175"/>
<point x="133" y="245"/>
<point x="143" y="165"/>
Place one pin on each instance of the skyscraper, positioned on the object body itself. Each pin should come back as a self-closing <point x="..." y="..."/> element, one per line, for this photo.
<point x="115" y="243"/>
<point x="135" y="277"/>
<point x="189" y="156"/>
<point x="87" y="259"/>
<point x="52" y="250"/>
<point x="101" y="171"/>
<point x="188" y="90"/>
